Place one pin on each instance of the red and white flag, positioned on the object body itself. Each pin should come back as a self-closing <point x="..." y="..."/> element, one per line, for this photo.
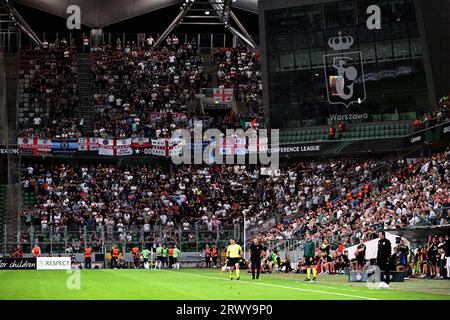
<point x="256" y="145"/>
<point x="141" y="143"/>
<point x="175" y="147"/>
<point x="38" y="146"/>
<point x="87" y="144"/>
<point x="240" y="146"/>
<point x="160" y="147"/>
<point x="223" y="95"/>
<point x="226" y="145"/>
<point x="115" y="147"/>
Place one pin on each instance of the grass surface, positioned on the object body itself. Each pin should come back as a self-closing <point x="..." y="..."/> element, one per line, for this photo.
<point x="193" y="284"/>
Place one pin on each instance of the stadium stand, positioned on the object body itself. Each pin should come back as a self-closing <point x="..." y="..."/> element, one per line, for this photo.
<point x="2" y="211"/>
<point x="48" y="101"/>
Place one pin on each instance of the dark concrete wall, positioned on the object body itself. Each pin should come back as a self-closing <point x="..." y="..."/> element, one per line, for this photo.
<point x="434" y="28"/>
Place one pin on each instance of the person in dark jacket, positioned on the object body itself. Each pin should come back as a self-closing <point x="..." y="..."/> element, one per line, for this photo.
<point x="383" y="259"/>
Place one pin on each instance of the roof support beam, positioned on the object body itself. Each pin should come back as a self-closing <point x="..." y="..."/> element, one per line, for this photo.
<point x="174" y="23"/>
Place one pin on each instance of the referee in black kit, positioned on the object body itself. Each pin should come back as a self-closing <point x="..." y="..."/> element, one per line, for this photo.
<point x="384" y="259"/>
<point x="256" y="251"/>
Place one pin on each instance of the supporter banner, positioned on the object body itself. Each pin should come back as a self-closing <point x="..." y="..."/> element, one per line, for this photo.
<point x="258" y="145"/>
<point x="163" y="147"/>
<point x="141" y="143"/>
<point x="222" y="95"/>
<point x="65" y="145"/>
<point x="53" y="263"/>
<point x="176" y="116"/>
<point x="17" y="263"/>
<point x="253" y="232"/>
<point x="88" y="144"/>
<point x="159" y="147"/>
<point x="115" y="147"/>
<point x="175" y="147"/>
<point x="35" y="145"/>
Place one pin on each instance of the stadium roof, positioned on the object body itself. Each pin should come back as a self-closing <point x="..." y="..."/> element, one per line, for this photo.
<point x="102" y="13"/>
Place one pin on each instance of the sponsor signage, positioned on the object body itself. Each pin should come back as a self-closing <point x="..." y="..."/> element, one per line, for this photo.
<point x="297" y="149"/>
<point x="6" y="151"/>
<point x="416" y="139"/>
<point x="17" y="263"/>
<point x="446" y="130"/>
<point x="53" y="263"/>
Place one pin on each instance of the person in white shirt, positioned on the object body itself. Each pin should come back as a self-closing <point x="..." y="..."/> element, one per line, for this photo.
<point x="37" y="121"/>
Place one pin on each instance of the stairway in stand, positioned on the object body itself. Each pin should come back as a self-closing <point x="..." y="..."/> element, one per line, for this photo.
<point x="85" y="80"/>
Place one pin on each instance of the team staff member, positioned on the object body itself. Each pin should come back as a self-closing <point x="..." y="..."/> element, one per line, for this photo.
<point x="87" y="257"/>
<point x="256" y="252"/>
<point x="176" y="253"/>
<point x="383" y="259"/>
<point x="171" y="257"/>
<point x="165" y="254"/>
<point x="135" y="253"/>
<point x="207" y="252"/>
<point x="360" y="255"/>
<point x="234" y="255"/>
<point x="310" y="250"/>
<point x="215" y="254"/>
<point x="36" y="251"/>
<point x="115" y="252"/>
<point x="145" y="255"/>
<point x="159" y="257"/>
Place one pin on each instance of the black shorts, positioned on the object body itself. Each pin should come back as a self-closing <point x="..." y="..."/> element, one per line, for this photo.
<point x="145" y="259"/>
<point x="174" y="259"/>
<point x="309" y="261"/>
<point x="233" y="261"/>
<point x="159" y="258"/>
<point x="361" y="260"/>
<point x="255" y="263"/>
<point x="329" y="259"/>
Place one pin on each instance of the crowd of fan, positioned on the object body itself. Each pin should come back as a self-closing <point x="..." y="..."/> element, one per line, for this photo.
<point x="241" y="70"/>
<point x="440" y="113"/>
<point x="138" y="91"/>
<point x="145" y="196"/>
<point x="52" y="90"/>
<point x="318" y="195"/>
<point x="406" y="193"/>
<point x="429" y="260"/>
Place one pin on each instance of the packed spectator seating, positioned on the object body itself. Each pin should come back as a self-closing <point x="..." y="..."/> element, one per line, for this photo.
<point x="240" y="69"/>
<point x="406" y="193"/>
<point x="334" y="199"/>
<point x="440" y="113"/>
<point x="48" y="91"/>
<point x="140" y="92"/>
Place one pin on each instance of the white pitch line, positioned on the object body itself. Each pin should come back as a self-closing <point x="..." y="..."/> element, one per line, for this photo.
<point x="284" y="287"/>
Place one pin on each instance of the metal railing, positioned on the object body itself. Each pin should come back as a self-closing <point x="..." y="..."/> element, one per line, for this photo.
<point x="63" y="240"/>
<point x="205" y="42"/>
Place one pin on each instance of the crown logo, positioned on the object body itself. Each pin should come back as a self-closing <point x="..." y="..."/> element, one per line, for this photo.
<point x="340" y="42"/>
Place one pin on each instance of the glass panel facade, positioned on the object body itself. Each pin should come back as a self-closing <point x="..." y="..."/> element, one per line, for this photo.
<point x="378" y="72"/>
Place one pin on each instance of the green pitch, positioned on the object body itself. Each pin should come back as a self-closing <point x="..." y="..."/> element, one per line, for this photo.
<point x="187" y="284"/>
